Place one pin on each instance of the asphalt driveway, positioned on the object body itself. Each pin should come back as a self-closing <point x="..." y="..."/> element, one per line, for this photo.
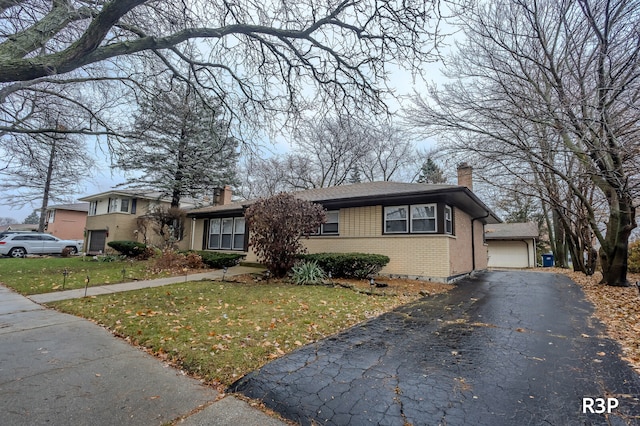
<point x="505" y="348"/>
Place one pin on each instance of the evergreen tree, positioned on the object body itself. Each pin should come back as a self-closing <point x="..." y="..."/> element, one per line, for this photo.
<point x="32" y="219"/>
<point x="180" y="145"/>
<point x="430" y="172"/>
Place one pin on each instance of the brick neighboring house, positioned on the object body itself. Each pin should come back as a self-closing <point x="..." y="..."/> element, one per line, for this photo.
<point x="433" y="232"/>
<point x="512" y="245"/>
<point x="67" y="221"/>
<point x="113" y="215"/>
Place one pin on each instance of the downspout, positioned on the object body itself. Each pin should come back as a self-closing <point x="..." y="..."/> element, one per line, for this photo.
<point x="193" y="232"/>
<point x="473" y="240"/>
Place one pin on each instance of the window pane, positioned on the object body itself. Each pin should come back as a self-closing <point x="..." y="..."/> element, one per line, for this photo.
<point x="448" y="221"/>
<point x="124" y="205"/>
<point x="423" y="212"/>
<point x="330" y="228"/>
<point x="227" y="226"/>
<point x="226" y="241"/>
<point x="238" y="242"/>
<point x="396" y="226"/>
<point x="214" y="233"/>
<point x="423" y="225"/>
<point x="238" y="226"/>
<point x="214" y="241"/>
<point x="395" y="213"/>
<point x="332" y="217"/>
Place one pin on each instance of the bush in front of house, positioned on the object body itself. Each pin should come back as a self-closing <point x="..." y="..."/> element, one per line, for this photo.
<point x="348" y="265"/>
<point x="276" y="226"/>
<point x="307" y="273"/>
<point x="129" y="248"/>
<point x="215" y="260"/>
<point x="634" y="257"/>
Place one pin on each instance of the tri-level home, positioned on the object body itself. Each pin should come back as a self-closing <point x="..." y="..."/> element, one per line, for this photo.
<point x="431" y="232"/>
<point x="116" y="215"/>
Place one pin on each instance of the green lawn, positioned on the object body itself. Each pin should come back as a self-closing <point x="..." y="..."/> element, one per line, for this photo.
<point x="221" y="331"/>
<point x="43" y="275"/>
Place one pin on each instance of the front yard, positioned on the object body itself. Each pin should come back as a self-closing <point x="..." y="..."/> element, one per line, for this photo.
<point x="219" y="331"/>
<point x="44" y="275"/>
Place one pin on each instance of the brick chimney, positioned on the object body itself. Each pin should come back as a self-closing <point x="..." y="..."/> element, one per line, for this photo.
<point x="465" y="175"/>
<point x="222" y="196"/>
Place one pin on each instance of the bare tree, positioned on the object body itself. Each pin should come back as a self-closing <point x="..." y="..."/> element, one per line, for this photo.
<point x="552" y="84"/>
<point x="43" y="166"/>
<point x="389" y="153"/>
<point x="334" y="151"/>
<point x="258" y="58"/>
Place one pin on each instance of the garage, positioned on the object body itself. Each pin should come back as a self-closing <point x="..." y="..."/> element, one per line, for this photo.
<point x="511" y="245"/>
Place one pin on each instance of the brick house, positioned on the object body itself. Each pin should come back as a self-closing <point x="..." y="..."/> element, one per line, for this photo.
<point x="115" y="215"/>
<point x="433" y="232"/>
<point x="67" y="221"/>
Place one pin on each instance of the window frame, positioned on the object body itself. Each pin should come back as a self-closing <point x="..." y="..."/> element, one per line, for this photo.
<point x="448" y="222"/>
<point x="406" y="219"/>
<point x="323" y="231"/>
<point x="93" y="208"/>
<point x="217" y="228"/>
<point x="124" y="205"/>
<point x="429" y="219"/>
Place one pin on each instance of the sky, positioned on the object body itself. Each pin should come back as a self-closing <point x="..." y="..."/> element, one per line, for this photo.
<point x="103" y="178"/>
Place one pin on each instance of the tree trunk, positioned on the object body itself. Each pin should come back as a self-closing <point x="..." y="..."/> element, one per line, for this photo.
<point x="615" y="249"/>
<point x="47" y="187"/>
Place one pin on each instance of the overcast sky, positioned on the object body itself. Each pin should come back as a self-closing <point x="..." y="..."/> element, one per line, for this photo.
<point x="103" y="178"/>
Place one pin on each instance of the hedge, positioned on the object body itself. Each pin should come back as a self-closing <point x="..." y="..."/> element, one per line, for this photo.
<point x="217" y="260"/>
<point x="634" y="257"/>
<point x="348" y="265"/>
<point x="128" y="248"/>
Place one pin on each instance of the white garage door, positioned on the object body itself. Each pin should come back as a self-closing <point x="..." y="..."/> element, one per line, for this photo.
<point x="508" y="254"/>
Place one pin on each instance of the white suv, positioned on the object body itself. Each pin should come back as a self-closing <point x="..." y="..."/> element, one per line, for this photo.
<point x="19" y="245"/>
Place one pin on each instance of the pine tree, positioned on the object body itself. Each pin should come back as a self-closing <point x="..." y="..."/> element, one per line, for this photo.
<point x="430" y="172"/>
<point x="32" y="219"/>
<point x="180" y="145"/>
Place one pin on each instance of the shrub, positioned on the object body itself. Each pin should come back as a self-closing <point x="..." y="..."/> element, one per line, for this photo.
<point x="171" y="259"/>
<point x="307" y="273"/>
<point x="349" y="265"/>
<point x="634" y="257"/>
<point x="66" y="252"/>
<point x="128" y="248"/>
<point x="276" y="226"/>
<point x="216" y="260"/>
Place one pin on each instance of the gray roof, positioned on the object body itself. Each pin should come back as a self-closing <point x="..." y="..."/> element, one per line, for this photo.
<point x="371" y="192"/>
<point x="510" y="231"/>
<point x="79" y="207"/>
<point x="137" y="193"/>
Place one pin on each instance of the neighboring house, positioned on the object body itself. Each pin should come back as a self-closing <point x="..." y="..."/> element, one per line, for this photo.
<point x="67" y="221"/>
<point x="20" y="227"/>
<point x="116" y="215"/>
<point x="512" y="245"/>
<point x="432" y="232"/>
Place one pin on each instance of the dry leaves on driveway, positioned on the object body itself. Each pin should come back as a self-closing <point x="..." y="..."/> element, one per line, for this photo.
<point x="617" y="307"/>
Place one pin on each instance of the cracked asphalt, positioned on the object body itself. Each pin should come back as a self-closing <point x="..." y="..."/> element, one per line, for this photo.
<point x="504" y="348"/>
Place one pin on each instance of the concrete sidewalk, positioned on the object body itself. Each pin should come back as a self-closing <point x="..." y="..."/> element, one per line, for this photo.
<point x="136" y="285"/>
<point x="58" y="369"/>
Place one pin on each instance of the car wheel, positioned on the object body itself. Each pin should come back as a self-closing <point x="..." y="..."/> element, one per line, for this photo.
<point x="72" y="250"/>
<point x="17" y="252"/>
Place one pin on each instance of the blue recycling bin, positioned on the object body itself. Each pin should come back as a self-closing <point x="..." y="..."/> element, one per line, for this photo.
<point x="547" y="260"/>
